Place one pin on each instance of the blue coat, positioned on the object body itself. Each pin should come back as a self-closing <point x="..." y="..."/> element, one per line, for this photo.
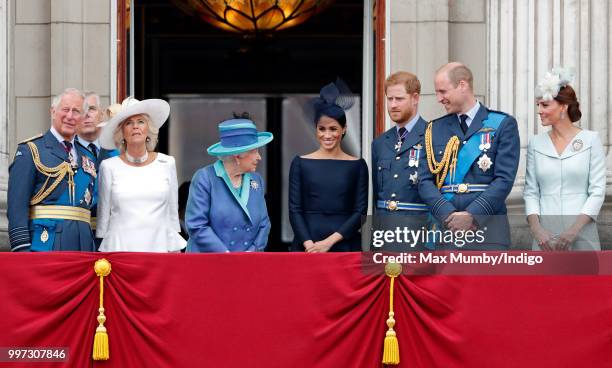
<point x="216" y="219"/>
<point x="391" y="172"/>
<point x="504" y="154"/>
<point x="25" y="181"/>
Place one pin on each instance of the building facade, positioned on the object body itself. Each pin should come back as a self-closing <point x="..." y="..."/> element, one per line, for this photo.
<point x="48" y="45"/>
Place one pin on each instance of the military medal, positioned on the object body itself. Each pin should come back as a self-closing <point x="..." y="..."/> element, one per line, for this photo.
<point x="485" y="141"/>
<point x="577" y="145"/>
<point x="400" y="140"/>
<point x="89" y="167"/>
<point x="254" y="185"/>
<point x="44" y="236"/>
<point x="484" y="162"/>
<point x="413" y="158"/>
<point x="72" y="160"/>
<point x="414" y="178"/>
<point x="87" y="197"/>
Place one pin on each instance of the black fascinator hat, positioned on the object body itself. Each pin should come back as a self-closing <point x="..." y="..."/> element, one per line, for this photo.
<point x="334" y="99"/>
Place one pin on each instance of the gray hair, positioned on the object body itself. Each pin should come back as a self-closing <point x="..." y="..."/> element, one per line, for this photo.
<point x="89" y="94"/>
<point x="68" y="91"/>
<point x="229" y="158"/>
<point x="119" y="139"/>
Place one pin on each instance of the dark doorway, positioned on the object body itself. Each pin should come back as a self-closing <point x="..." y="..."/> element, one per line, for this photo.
<point x="177" y="54"/>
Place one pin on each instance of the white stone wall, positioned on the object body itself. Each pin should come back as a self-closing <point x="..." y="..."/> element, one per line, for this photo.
<point x="48" y="45"/>
<point x="528" y="38"/>
<point x="424" y="35"/>
<point x="57" y="44"/>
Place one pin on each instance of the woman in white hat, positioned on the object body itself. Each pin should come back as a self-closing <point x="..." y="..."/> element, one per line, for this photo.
<point x="226" y="209"/>
<point x="137" y="194"/>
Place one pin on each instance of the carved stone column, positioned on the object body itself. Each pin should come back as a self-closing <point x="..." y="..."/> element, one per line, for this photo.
<point x="526" y="39"/>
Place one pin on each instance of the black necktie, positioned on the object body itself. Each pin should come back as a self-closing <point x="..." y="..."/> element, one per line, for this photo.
<point x="94" y="150"/>
<point x="402" y="133"/>
<point x="464" y="126"/>
<point x="67" y="147"/>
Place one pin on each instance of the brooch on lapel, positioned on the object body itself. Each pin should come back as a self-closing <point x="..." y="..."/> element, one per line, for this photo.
<point x="89" y="167"/>
<point x="577" y="145"/>
<point x="254" y="185"/>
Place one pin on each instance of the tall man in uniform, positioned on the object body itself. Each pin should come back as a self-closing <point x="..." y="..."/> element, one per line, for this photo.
<point x="472" y="155"/>
<point x="396" y="155"/>
<point x="51" y="184"/>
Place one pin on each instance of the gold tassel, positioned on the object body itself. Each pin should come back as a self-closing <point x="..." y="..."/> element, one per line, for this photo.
<point x="391" y="348"/>
<point x="100" y="346"/>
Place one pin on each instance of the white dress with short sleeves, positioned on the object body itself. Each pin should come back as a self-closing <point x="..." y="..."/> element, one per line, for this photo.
<point x="138" y="206"/>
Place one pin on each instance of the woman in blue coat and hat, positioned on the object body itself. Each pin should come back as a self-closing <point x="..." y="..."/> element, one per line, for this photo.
<point x="226" y="210"/>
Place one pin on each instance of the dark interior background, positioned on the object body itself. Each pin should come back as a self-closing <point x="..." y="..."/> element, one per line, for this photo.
<point x="176" y="53"/>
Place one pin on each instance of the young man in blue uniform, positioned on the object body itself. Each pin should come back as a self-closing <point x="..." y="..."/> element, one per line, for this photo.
<point x="51" y="185"/>
<point x="396" y="158"/>
<point x="472" y="155"/>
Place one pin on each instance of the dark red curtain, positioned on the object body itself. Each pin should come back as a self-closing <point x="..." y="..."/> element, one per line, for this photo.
<point x="297" y="310"/>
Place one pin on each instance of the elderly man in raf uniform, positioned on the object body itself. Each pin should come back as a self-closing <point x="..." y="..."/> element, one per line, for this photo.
<point x="396" y="157"/>
<point x="472" y="156"/>
<point x="51" y="184"/>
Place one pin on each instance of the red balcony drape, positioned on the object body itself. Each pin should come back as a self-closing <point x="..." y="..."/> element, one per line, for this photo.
<point x="297" y="310"/>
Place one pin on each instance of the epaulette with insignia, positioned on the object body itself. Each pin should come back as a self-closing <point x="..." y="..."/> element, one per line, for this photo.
<point x="31" y="138"/>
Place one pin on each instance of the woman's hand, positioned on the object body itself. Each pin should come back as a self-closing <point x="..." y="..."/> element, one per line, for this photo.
<point x="325" y="245"/>
<point x="308" y="244"/>
<point x="567" y="238"/>
<point x="544" y="238"/>
<point x="321" y="246"/>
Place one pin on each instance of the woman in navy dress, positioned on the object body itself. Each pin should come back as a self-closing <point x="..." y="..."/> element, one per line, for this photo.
<point x="328" y="189"/>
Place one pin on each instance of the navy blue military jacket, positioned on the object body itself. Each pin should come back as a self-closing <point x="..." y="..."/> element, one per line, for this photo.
<point x="504" y="154"/>
<point x="392" y="176"/>
<point x="25" y="180"/>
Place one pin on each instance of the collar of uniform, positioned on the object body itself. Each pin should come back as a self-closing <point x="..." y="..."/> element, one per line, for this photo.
<point x="59" y="136"/>
<point x="471" y="113"/>
<point x="411" y="123"/>
<point x="86" y="143"/>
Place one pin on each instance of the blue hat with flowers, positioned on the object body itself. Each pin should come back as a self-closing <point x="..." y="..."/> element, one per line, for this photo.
<point x="237" y="136"/>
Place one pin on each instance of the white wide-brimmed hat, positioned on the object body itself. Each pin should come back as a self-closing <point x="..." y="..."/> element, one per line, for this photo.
<point x="157" y="110"/>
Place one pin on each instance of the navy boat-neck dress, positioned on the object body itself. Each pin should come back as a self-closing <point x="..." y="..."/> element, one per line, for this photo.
<point x="327" y="196"/>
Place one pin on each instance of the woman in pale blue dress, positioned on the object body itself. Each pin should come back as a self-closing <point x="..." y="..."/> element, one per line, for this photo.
<point x="565" y="181"/>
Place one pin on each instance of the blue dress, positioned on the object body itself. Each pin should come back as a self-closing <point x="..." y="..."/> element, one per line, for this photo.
<point x="327" y="196"/>
<point x="220" y="218"/>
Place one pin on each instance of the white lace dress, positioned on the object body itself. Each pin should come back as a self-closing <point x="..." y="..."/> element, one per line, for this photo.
<point x="138" y="206"/>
